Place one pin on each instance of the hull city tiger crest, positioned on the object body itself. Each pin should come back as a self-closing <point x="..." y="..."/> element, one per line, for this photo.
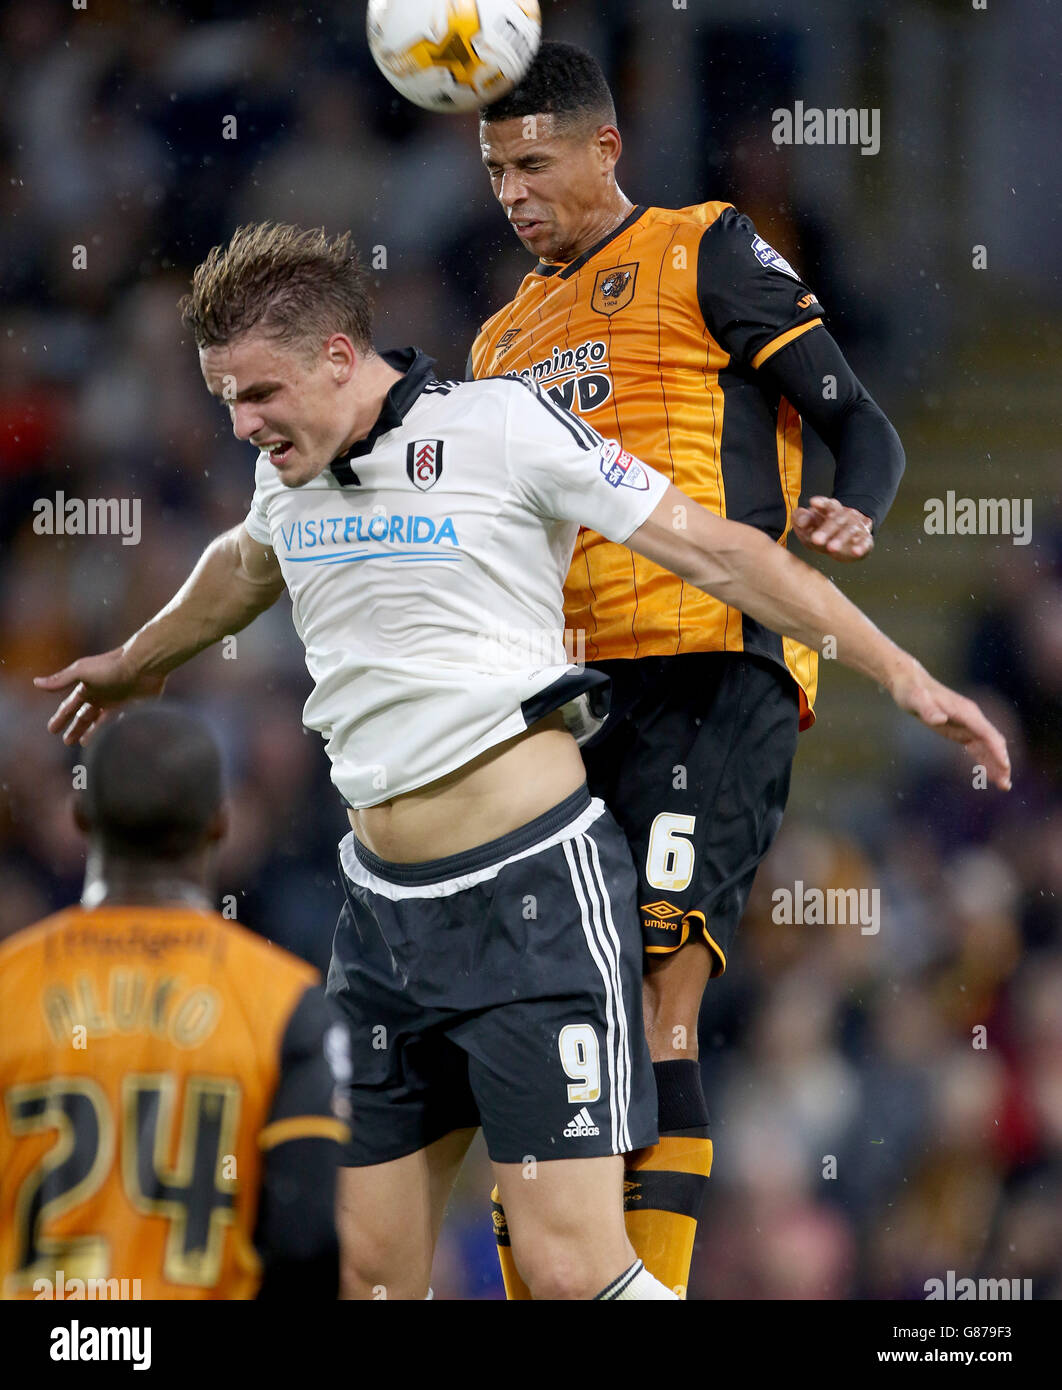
<point x="614" y="289"/>
<point x="424" y="460"/>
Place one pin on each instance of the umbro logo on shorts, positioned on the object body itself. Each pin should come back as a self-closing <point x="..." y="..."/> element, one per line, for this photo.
<point x="662" y="908"/>
<point x="658" y="913"/>
<point x="581" y="1126"/>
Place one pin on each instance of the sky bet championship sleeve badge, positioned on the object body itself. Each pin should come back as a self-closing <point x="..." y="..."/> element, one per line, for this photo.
<point x="424" y="462"/>
<point x="614" y="289"/>
<point x="621" y="470"/>
<point x="769" y="257"/>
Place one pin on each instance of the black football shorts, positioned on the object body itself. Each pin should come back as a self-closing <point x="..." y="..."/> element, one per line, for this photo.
<point x="694" y="763"/>
<point x="500" y="987"/>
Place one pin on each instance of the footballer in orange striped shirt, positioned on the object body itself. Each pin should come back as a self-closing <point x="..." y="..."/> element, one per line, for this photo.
<point x="686" y="337"/>
<point x="167" y="1125"/>
<point x="630" y="335"/>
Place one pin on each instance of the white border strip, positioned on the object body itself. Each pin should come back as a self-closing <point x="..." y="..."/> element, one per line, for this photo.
<point x="356" y="871"/>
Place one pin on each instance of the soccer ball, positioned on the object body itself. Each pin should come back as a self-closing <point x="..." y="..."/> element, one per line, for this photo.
<point x="453" y="55"/>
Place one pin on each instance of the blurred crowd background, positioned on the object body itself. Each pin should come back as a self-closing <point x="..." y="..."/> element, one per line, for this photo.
<point x="819" y="1041"/>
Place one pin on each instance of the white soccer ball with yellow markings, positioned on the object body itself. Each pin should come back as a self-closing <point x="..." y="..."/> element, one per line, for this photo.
<point x="453" y="55"/>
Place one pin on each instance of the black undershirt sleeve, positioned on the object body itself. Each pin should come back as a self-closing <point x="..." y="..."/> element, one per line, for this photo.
<point x="469" y="373"/>
<point x="296" y="1229"/>
<point x="814" y="377"/>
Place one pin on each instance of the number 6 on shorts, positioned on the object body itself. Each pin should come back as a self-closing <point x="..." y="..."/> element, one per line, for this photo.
<point x="669" y="861"/>
<point x="581" y="1060"/>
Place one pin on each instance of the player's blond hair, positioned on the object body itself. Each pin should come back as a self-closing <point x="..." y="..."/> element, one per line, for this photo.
<point x="292" y="285"/>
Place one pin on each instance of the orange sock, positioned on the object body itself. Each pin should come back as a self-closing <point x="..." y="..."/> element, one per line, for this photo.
<point x="515" y="1288"/>
<point x="664" y="1188"/>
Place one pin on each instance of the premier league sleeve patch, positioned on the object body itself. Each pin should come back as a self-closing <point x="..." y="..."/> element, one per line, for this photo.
<point x="769" y="257"/>
<point x="622" y="469"/>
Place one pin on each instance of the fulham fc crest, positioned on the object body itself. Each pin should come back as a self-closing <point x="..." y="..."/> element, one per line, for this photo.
<point x="614" y="289"/>
<point x="424" y="462"/>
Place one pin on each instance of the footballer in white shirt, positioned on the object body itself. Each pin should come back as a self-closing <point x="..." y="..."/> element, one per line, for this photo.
<point x="488" y="954"/>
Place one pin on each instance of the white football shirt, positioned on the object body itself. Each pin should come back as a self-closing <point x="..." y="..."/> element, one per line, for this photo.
<point x="426" y="570"/>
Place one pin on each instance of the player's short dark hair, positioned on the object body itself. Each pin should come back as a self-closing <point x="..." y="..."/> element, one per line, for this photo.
<point x="293" y="285"/>
<point x="153" y="784"/>
<point x="564" y="82"/>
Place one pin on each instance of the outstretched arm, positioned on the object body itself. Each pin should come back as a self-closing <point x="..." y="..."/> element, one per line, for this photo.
<point x="869" y="460"/>
<point x="235" y="580"/>
<point x="744" y="568"/>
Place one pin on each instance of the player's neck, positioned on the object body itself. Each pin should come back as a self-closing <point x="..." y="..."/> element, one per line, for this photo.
<point x="375" y="379"/>
<point x="603" y="222"/>
<point x="111" y="882"/>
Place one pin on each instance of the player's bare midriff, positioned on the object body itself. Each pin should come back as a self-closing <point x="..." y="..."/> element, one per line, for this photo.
<point x="489" y="797"/>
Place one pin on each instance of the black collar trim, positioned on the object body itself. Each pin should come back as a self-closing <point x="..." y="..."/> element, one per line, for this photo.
<point x="563" y="269"/>
<point x="417" y="369"/>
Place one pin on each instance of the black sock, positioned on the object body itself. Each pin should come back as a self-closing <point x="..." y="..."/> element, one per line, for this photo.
<point x="681" y="1105"/>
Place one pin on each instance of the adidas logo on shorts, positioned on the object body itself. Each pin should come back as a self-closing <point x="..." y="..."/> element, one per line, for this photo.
<point x="581" y="1126"/>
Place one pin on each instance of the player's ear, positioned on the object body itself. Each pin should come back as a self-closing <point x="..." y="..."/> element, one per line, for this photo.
<point x="609" y="146"/>
<point x="342" y="357"/>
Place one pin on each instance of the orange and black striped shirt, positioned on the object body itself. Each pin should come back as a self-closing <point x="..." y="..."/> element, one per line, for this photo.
<point x="656" y="336"/>
<point x="146" y="1067"/>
